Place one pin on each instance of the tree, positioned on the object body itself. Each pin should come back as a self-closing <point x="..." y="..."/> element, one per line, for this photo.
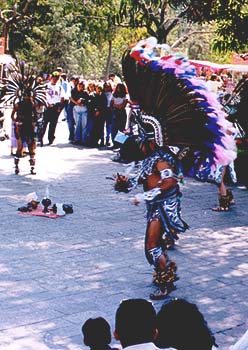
<point x="9" y="18"/>
<point x="160" y="17"/>
<point x="68" y="33"/>
<point x="229" y="16"/>
<point x="232" y="26"/>
<point x="53" y="37"/>
<point x="88" y="36"/>
<point x="95" y="20"/>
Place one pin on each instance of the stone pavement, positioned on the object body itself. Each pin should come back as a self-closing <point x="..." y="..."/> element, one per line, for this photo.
<point x="54" y="274"/>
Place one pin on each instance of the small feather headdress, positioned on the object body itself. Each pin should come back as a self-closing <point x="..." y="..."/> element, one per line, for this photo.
<point x="22" y="81"/>
<point x="168" y="90"/>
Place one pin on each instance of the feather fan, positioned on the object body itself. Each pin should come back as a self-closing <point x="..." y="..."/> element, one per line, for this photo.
<point x="168" y="88"/>
<point x="20" y="81"/>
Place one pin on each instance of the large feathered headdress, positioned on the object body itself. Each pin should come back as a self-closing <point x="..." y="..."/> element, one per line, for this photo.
<point x="22" y="81"/>
<point x="168" y="90"/>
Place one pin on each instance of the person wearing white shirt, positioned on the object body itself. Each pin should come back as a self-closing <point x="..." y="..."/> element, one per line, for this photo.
<point x="214" y="84"/>
<point x="55" y="98"/>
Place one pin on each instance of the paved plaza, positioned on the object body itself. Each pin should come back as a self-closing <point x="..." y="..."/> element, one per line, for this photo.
<point x="56" y="273"/>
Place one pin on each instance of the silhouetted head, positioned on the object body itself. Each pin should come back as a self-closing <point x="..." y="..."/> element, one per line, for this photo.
<point x="135" y="322"/>
<point x="96" y="332"/>
<point x="181" y="325"/>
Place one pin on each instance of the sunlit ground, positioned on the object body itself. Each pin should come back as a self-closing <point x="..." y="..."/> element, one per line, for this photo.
<point x="54" y="274"/>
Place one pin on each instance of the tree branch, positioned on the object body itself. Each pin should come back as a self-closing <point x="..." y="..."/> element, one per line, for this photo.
<point x="186" y="36"/>
<point x="91" y="17"/>
<point x="16" y="17"/>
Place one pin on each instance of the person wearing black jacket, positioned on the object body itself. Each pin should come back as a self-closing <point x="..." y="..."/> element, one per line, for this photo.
<point x="98" y="109"/>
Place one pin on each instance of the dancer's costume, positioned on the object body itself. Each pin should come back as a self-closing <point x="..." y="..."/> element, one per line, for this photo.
<point x="162" y="204"/>
<point x="236" y="107"/>
<point x="19" y="85"/>
<point x="176" y="110"/>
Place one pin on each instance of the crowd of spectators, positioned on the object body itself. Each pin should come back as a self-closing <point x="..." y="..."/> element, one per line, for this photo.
<point x="95" y="110"/>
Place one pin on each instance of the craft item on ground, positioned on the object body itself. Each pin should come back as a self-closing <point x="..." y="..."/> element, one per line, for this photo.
<point x="46" y="202"/>
<point x="54" y="211"/>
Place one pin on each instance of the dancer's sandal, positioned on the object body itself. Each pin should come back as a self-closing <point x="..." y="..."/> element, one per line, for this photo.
<point x="224" y="203"/>
<point x="163" y="292"/>
<point x="220" y="209"/>
<point x="165" y="281"/>
<point x="229" y="193"/>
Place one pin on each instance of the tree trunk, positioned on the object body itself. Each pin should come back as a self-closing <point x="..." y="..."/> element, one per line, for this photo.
<point x="6" y="37"/>
<point x="161" y="36"/>
<point x="108" y="60"/>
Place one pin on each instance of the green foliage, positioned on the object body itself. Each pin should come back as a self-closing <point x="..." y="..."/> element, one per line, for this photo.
<point x="232" y="26"/>
<point x="93" y="58"/>
<point x="77" y="34"/>
<point x="231" y="17"/>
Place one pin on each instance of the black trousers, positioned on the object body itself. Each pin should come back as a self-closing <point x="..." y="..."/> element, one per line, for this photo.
<point x="51" y="116"/>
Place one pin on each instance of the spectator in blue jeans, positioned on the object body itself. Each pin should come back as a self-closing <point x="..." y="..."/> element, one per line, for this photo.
<point x="80" y="99"/>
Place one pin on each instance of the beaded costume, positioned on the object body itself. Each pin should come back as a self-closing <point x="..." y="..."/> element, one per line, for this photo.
<point x="163" y="204"/>
<point x="22" y="90"/>
<point x="173" y="112"/>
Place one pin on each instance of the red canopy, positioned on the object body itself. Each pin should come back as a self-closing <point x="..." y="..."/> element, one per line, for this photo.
<point x="214" y="67"/>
